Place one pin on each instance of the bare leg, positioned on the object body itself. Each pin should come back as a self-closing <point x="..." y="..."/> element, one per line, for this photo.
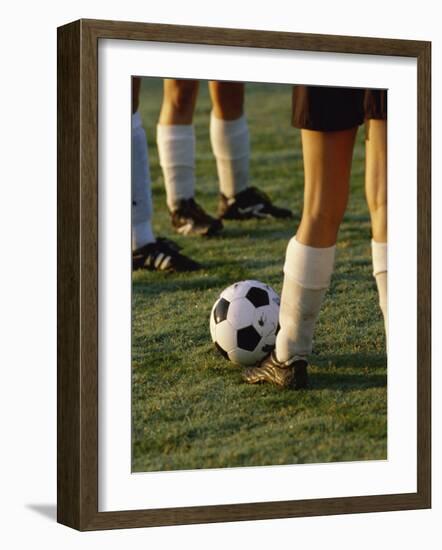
<point x="376" y="177"/>
<point x="227" y="99"/>
<point x="376" y="192"/>
<point x="327" y="165"/>
<point x="179" y="99"/>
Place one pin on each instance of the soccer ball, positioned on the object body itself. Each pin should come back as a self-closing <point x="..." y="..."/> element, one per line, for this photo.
<point x="244" y="322"/>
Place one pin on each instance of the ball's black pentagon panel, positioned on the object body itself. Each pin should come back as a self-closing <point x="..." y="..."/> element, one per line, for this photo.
<point x="258" y="297"/>
<point x="248" y="338"/>
<point x="220" y="349"/>
<point x="220" y="311"/>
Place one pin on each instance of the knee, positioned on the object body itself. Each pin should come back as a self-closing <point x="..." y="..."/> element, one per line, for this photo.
<point x="379" y="215"/>
<point x="377" y="205"/>
<point x="323" y="226"/>
<point x="181" y="95"/>
<point x="330" y="220"/>
<point x="228" y="101"/>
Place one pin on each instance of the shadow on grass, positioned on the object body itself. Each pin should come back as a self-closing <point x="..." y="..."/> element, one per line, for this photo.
<point x="347" y="277"/>
<point x="151" y="284"/>
<point x="355" y="232"/>
<point x="260" y="229"/>
<point x="360" y="218"/>
<point x="155" y="285"/>
<point x="346" y="382"/>
<point x="353" y="360"/>
<point x="345" y="264"/>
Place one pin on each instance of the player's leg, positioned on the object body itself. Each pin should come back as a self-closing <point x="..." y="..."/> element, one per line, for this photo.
<point x="176" y="140"/>
<point x="142" y="232"/>
<point x="229" y="136"/>
<point x="148" y="252"/>
<point x="376" y="192"/>
<point x="176" y="149"/>
<point x="310" y="254"/>
<point x="327" y="138"/>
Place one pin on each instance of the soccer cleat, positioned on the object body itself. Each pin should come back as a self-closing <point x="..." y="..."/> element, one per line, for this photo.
<point x="292" y="375"/>
<point x="250" y="203"/>
<point x="190" y="219"/>
<point x="162" y="255"/>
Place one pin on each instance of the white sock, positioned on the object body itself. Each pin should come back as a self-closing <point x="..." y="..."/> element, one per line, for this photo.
<point x="379" y="255"/>
<point x="142" y="232"/>
<point x="176" y="149"/>
<point x="307" y="274"/>
<point x="231" y="147"/>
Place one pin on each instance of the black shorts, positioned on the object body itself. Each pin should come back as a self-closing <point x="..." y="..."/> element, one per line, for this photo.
<point x="328" y="109"/>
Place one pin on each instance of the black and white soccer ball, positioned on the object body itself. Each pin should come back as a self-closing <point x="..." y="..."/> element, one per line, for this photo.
<point x="244" y="322"/>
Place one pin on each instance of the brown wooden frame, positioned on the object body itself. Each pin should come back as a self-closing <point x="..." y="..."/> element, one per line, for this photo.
<point x="77" y="462"/>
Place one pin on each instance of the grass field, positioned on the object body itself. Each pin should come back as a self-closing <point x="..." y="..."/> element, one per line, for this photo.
<point x="190" y="408"/>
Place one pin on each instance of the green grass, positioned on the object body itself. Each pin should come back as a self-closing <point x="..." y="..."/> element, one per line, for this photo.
<point x="190" y="408"/>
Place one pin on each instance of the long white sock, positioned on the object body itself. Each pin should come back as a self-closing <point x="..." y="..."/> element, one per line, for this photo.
<point x="307" y="274"/>
<point x="176" y="149"/>
<point x="231" y="147"/>
<point x="142" y="232"/>
<point x="380" y="268"/>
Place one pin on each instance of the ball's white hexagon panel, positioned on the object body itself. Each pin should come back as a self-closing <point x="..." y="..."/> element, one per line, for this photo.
<point x="241" y="313"/>
<point x="237" y="290"/>
<point x="225" y="336"/>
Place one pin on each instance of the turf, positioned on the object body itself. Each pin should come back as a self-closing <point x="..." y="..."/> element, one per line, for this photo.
<point x="190" y="408"/>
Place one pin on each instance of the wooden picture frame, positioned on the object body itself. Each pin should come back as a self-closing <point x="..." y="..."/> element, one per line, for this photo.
<point x="78" y="274"/>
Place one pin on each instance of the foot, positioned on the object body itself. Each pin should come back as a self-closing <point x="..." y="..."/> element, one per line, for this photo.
<point x="287" y="375"/>
<point x="250" y="203"/>
<point x="162" y="255"/>
<point x="190" y="219"/>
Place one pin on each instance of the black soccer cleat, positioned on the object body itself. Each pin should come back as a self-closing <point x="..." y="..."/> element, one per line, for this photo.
<point x="190" y="219"/>
<point x="292" y="375"/>
<point x="162" y="255"/>
<point x="250" y="203"/>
